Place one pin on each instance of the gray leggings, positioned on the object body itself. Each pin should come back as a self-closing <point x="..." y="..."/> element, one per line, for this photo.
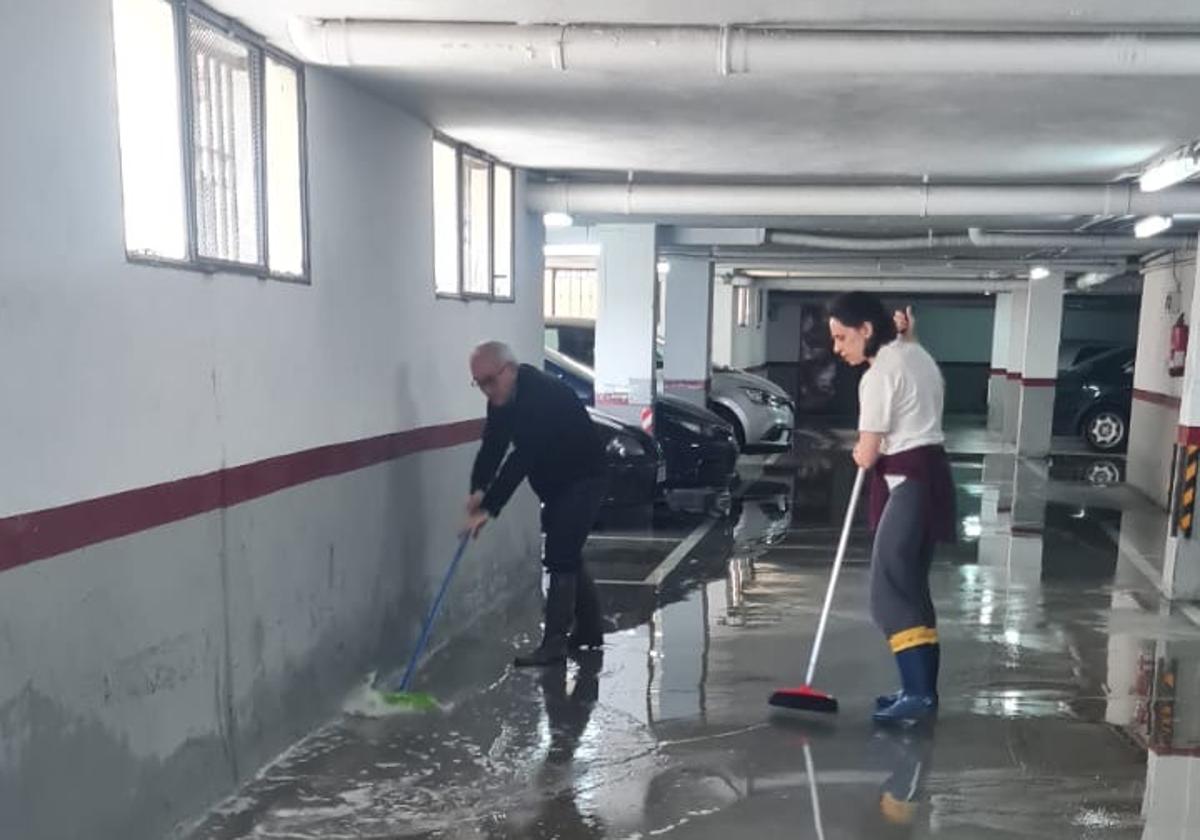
<point x="900" y="560"/>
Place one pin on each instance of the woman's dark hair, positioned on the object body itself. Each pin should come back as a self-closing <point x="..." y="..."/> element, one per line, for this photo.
<point x="854" y="309"/>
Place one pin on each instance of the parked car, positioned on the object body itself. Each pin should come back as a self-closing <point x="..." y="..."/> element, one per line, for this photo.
<point x="761" y="413"/>
<point x="1094" y="399"/>
<point x="636" y="468"/>
<point x="699" y="447"/>
<point x="1073" y="353"/>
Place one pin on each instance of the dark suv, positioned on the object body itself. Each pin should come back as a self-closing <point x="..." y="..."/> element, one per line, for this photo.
<point x="1094" y="399"/>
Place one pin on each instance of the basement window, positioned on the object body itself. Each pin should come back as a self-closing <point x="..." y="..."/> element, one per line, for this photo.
<point x="211" y="123"/>
<point x="472" y="224"/>
<point x="741" y="299"/>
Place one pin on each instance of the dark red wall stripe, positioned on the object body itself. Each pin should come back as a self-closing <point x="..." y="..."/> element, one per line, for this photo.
<point x="33" y="536"/>
<point x="1165" y="400"/>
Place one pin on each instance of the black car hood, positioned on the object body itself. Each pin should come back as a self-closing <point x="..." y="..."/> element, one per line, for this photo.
<point x="681" y="409"/>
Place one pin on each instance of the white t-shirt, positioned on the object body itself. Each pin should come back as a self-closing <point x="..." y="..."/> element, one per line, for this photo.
<point x="901" y="397"/>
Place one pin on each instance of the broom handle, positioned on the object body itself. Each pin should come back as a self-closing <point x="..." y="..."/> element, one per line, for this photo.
<point x="837" y="568"/>
<point x="433" y="611"/>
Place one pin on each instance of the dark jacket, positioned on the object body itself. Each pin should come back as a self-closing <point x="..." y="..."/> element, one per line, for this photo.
<point x="553" y="442"/>
<point x="929" y="466"/>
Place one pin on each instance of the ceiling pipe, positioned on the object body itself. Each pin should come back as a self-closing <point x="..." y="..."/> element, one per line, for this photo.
<point x="976" y="238"/>
<point x="1091" y="241"/>
<point x="890" y="285"/>
<point x="928" y="242"/>
<point x="657" y="201"/>
<point x="636" y="51"/>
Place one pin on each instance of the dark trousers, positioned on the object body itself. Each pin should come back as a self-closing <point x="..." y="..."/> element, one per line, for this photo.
<point x="567" y="519"/>
<point x="900" y="561"/>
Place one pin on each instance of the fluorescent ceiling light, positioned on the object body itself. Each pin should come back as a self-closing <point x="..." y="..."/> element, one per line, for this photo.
<point x="1039" y="272"/>
<point x="664" y="267"/>
<point x="1151" y="226"/>
<point x="1167" y="172"/>
<point x="1091" y="278"/>
<point x="580" y="249"/>
<point x="557" y="220"/>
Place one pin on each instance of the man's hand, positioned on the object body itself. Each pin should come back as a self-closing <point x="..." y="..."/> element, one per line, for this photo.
<point x="475" y="502"/>
<point x="474" y="524"/>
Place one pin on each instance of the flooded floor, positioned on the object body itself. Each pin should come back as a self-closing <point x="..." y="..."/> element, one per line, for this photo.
<point x="1070" y="695"/>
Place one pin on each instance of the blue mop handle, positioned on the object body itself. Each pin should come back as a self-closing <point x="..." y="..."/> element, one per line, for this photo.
<point x="433" y="610"/>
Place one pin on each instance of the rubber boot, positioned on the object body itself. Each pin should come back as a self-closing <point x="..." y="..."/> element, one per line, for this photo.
<point x="885" y="700"/>
<point x="918" y="701"/>
<point x="589" y="621"/>
<point x="560" y="612"/>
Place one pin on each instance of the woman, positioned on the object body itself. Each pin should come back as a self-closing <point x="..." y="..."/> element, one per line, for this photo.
<point x="911" y="492"/>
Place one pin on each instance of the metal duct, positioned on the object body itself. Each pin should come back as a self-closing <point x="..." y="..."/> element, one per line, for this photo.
<point x="638" y="51"/>
<point x="656" y="201"/>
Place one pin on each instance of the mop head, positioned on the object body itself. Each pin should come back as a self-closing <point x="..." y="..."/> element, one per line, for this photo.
<point x="804" y="699"/>
<point x="370" y="700"/>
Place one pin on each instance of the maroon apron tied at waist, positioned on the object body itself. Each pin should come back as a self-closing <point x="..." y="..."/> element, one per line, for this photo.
<point x="929" y="466"/>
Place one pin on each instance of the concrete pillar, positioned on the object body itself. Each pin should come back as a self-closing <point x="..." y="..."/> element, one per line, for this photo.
<point x="625" y="322"/>
<point x="688" y="329"/>
<point x="1018" y="313"/>
<point x="722" y="323"/>
<point x="1001" y="391"/>
<point x="1181" y="560"/>
<point x="1039" y="366"/>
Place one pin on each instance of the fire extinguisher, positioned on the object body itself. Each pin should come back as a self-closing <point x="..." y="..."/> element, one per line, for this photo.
<point x="1179" y="343"/>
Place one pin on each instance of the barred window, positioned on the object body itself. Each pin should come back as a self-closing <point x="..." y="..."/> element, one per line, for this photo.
<point x="213" y="168"/>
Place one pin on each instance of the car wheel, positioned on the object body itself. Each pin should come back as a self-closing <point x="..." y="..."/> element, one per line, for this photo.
<point x="1105" y="430"/>
<point x="728" y="416"/>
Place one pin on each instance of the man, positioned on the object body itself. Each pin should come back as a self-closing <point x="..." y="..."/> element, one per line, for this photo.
<point x="555" y="445"/>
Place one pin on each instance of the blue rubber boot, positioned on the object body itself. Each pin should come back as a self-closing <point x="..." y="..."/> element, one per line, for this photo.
<point x="918" y="700"/>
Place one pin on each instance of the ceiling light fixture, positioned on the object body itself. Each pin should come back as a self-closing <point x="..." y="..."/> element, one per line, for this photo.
<point x="1151" y="226"/>
<point x="1039" y="272"/>
<point x="664" y="267"/>
<point x="1179" y="166"/>
<point x="557" y="220"/>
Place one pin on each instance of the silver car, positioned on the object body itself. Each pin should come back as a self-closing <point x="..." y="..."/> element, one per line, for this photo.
<point x="762" y="414"/>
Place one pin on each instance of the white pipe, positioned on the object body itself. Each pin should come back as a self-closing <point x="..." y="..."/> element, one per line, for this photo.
<point x="1034" y="241"/>
<point x="976" y="238"/>
<point x="655" y="201"/>
<point x="850" y="243"/>
<point x="640" y="51"/>
<point x="889" y="285"/>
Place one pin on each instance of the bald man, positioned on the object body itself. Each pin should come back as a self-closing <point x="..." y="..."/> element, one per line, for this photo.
<point x="555" y="446"/>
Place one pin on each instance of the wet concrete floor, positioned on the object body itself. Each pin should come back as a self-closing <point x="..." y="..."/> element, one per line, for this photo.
<point x="1070" y="694"/>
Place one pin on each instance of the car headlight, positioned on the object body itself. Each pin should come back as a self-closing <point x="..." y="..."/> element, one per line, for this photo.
<point x="624" y="447"/>
<point x="758" y="396"/>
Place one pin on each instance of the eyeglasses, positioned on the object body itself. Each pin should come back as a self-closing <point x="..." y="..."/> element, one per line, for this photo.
<point x="484" y="383"/>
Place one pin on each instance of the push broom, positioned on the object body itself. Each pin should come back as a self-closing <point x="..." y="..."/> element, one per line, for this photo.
<point x="399" y="695"/>
<point x="804" y="697"/>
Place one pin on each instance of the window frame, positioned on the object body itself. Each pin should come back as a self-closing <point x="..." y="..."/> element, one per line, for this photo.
<point x="462" y="150"/>
<point x="182" y="11"/>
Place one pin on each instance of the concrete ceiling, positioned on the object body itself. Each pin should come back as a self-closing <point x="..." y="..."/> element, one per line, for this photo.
<point x="833" y="128"/>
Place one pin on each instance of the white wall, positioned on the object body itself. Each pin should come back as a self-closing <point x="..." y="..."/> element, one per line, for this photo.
<point x="147" y="674"/>
<point x="119" y="363"/>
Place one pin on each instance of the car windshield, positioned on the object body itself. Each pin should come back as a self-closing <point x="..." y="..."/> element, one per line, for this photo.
<point x="1108" y="360"/>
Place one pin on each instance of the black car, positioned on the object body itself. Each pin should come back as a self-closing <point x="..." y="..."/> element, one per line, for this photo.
<point x="1094" y="399"/>
<point x="699" y="447"/>
<point x="636" y="469"/>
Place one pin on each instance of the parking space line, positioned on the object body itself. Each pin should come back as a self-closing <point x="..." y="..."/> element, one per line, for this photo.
<point x="672" y="560"/>
<point x="631" y="538"/>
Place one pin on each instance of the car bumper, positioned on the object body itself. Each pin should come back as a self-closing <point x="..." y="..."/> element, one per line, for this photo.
<point x="771" y="428"/>
<point x="702" y="465"/>
<point x="632" y="483"/>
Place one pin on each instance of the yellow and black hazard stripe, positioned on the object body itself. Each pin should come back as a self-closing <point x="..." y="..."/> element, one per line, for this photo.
<point x="1187" y="498"/>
